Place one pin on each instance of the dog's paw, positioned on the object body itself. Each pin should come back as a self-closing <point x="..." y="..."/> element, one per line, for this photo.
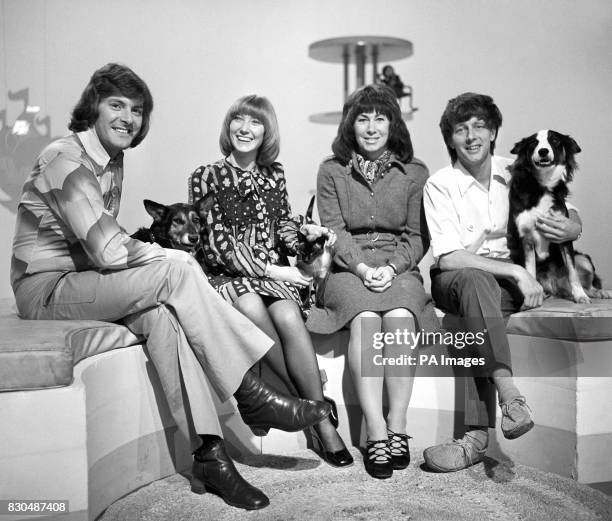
<point x="599" y="293"/>
<point x="581" y="298"/>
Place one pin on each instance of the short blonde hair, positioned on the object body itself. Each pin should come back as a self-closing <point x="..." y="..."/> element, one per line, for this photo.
<point x="258" y="107"/>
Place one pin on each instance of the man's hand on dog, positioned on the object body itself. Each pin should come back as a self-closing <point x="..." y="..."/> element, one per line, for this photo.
<point x="313" y="231"/>
<point x="531" y="289"/>
<point x="288" y="274"/>
<point x="558" y="228"/>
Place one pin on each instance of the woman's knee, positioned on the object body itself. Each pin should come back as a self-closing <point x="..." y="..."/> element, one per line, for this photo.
<point x="365" y="321"/>
<point x="287" y="315"/>
<point x="250" y="305"/>
<point x="398" y="313"/>
<point x="398" y="318"/>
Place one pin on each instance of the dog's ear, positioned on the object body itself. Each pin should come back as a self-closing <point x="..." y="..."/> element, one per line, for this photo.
<point x="520" y="146"/>
<point x="570" y="145"/>
<point x="156" y="210"/>
<point x="310" y="209"/>
<point x="204" y="205"/>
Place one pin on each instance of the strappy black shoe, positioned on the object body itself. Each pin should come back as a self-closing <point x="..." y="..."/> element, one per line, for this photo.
<point x="377" y="459"/>
<point x="400" y="452"/>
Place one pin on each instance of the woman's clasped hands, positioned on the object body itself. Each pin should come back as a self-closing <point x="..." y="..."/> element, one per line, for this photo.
<point x="376" y="279"/>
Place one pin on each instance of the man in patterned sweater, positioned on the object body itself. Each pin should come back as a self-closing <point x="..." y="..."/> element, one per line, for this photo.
<point x="71" y="260"/>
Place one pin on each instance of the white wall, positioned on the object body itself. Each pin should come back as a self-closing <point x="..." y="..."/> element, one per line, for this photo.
<point x="546" y="63"/>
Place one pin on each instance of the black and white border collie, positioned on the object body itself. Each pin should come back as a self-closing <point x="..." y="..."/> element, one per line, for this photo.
<point x="543" y="168"/>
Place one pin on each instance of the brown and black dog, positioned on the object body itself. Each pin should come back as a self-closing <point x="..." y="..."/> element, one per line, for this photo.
<point x="176" y="226"/>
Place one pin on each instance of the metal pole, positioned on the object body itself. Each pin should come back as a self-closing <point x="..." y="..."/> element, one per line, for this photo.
<point x="345" y="59"/>
<point x="360" y="59"/>
<point x="375" y="63"/>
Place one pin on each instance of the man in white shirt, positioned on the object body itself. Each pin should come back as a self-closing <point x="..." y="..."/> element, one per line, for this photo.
<point x="466" y="207"/>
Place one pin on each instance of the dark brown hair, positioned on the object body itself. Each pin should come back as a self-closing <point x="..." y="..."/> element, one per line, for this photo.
<point x="381" y="100"/>
<point x="464" y="107"/>
<point x="112" y="80"/>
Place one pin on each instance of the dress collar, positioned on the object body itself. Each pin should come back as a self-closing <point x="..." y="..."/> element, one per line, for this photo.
<point x="248" y="181"/>
<point x="393" y="161"/>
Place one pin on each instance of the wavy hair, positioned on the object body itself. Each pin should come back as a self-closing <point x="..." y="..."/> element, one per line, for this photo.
<point x="464" y="107"/>
<point x="258" y="107"/>
<point x="112" y="79"/>
<point x="379" y="99"/>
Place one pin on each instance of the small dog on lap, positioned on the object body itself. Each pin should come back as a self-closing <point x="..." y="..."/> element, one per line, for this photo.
<point x="544" y="167"/>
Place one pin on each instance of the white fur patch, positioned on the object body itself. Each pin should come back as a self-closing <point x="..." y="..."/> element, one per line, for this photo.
<point x="526" y="220"/>
<point x="548" y="176"/>
<point x="526" y="225"/>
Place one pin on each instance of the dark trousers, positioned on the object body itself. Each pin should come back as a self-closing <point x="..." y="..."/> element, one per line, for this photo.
<point x="484" y="302"/>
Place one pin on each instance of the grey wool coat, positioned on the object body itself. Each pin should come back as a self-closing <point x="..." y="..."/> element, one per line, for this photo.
<point x="377" y="223"/>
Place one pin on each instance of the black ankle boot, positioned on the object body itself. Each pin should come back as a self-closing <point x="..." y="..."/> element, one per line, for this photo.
<point x="263" y="408"/>
<point x="214" y="470"/>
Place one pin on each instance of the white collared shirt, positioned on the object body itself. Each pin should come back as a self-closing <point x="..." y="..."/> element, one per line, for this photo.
<point x="463" y="215"/>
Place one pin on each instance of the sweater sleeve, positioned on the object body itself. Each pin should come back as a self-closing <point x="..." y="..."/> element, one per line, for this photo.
<point x="347" y="253"/>
<point x="414" y="238"/>
<point x="288" y="225"/>
<point x="73" y="193"/>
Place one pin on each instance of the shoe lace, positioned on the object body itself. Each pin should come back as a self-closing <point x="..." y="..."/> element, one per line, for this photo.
<point x="469" y="447"/>
<point x="398" y="443"/>
<point x="506" y="407"/>
<point x="378" y="451"/>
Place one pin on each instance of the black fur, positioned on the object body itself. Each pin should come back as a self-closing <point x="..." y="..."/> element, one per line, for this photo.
<point x="527" y="191"/>
<point x="309" y="251"/>
<point x="176" y="226"/>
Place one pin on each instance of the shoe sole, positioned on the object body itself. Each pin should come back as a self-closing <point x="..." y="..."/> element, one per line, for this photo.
<point x="381" y="476"/>
<point x="436" y="468"/>
<point x="201" y="488"/>
<point x="516" y="433"/>
<point x="318" y="453"/>
<point x="400" y="467"/>
<point x="263" y="427"/>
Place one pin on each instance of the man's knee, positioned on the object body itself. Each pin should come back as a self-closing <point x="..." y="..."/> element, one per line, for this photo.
<point x="143" y="322"/>
<point x="173" y="272"/>
<point x="473" y="281"/>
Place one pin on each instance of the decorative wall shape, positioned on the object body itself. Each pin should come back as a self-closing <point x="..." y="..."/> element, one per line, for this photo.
<point x="20" y="143"/>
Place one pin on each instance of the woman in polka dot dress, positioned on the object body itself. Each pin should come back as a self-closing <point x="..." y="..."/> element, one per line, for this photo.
<point x="247" y="239"/>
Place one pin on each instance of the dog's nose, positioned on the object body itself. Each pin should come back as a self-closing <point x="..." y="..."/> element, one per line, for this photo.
<point x="193" y="238"/>
<point x="543" y="152"/>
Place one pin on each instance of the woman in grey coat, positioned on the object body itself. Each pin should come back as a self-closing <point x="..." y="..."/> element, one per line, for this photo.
<point x="369" y="192"/>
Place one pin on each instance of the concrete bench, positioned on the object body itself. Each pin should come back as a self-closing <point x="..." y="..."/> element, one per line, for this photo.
<point x="83" y="416"/>
<point x="562" y="357"/>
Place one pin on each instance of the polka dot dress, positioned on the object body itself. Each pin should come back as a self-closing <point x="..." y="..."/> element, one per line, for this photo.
<point x="249" y="225"/>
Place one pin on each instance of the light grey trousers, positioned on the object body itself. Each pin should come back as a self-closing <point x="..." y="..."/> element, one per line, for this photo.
<point x="192" y="334"/>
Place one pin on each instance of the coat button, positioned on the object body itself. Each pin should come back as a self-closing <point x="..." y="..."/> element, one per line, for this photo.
<point x="372" y="217"/>
<point x="470" y="227"/>
<point x="371" y="194"/>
